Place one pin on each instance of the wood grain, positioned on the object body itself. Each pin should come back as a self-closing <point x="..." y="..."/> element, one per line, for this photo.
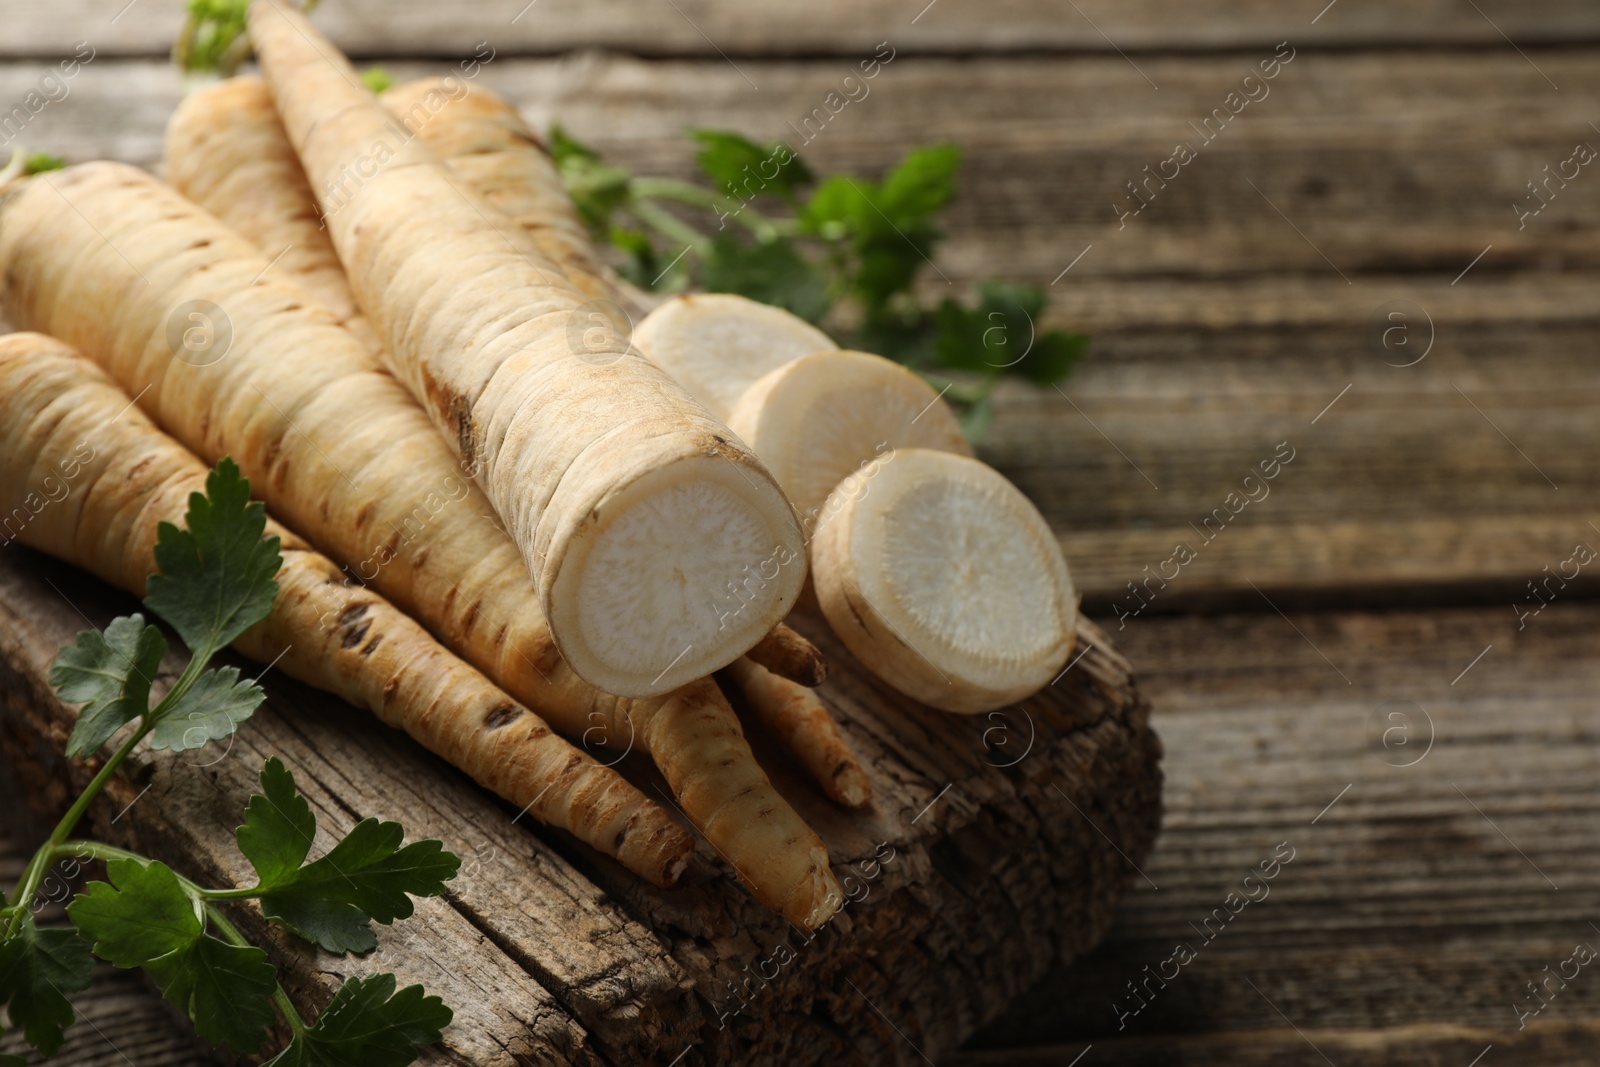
<point x="707" y="27"/>
<point x="549" y="953"/>
<point x="1417" y="906"/>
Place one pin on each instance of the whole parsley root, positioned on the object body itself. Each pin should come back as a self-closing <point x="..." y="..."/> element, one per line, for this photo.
<point x="216" y="580"/>
<point x="630" y="504"/>
<point x="342" y="453"/>
<point x="322" y="629"/>
<point x="226" y="150"/>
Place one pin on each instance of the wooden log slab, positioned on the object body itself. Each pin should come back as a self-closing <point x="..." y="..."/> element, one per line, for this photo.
<point x="996" y="846"/>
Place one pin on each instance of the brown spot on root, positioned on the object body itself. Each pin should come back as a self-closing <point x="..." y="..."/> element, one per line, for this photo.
<point x="355" y="626"/>
<point x="364" y="513"/>
<point x="366" y="649"/>
<point x="717" y="445"/>
<point x="501" y="715"/>
<point x="457" y="413"/>
<point x="390" y="688"/>
<point x="470" y="620"/>
<point x="355" y="635"/>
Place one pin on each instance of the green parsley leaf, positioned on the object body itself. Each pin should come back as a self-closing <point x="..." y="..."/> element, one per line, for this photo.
<point x="922" y="183"/>
<point x="377" y="79"/>
<point x="1001" y="336"/>
<point x="144" y="917"/>
<point x="332" y="901"/>
<point x="565" y="148"/>
<point x="141" y="914"/>
<point x="743" y="169"/>
<point x="39" y="162"/>
<point x="110" y="674"/>
<point x="211" y="710"/>
<point x="643" y="264"/>
<point x="278" y="826"/>
<point x="596" y="188"/>
<point x="37" y="969"/>
<point x="773" y="273"/>
<point x="217" y="576"/>
<point x="225" y="990"/>
<point x="368" y="1024"/>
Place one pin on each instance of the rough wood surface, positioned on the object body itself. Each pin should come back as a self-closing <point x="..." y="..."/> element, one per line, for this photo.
<point x="551" y="954"/>
<point x="1417" y="906"/>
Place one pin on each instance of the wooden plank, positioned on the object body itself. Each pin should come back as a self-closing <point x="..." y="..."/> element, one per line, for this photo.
<point x="1195" y="377"/>
<point x="1396" y="165"/>
<point x="1422" y="894"/>
<point x="551" y="953"/>
<point x="707" y="27"/>
<point x="124" y="1020"/>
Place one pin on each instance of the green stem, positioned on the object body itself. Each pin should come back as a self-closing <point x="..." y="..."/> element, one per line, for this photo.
<point x="39" y="864"/>
<point x="668" y="225"/>
<point x="764" y="228"/>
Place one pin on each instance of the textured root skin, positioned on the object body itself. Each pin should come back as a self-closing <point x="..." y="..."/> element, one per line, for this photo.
<point x="802" y="721"/>
<point x="226" y="150"/>
<point x="334" y="445"/>
<point x="472" y="590"/>
<point x="484" y="142"/>
<point x="492" y="360"/>
<point x="785" y="653"/>
<point x="127" y="477"/>
<point x="702" y="752"/>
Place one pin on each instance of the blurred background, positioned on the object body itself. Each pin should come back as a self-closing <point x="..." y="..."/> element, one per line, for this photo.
<point x="1324" y="473"/>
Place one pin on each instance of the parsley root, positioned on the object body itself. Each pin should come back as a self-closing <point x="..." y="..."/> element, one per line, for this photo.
<point x="339" y="450"/>
<point x="59" y="413"/>
<point x="631" y="505"/>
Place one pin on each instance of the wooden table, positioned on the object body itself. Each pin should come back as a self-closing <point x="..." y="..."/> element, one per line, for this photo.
<point x="1348" y="668"/>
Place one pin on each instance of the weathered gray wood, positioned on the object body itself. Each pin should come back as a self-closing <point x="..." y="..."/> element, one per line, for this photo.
<point x="1417" y="906"/>
<point x="1388" y="164"/>
<point x="704" y="27"/>
<point x="550" y="953"/>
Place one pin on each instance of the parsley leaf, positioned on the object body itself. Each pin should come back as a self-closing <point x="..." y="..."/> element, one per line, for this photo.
<point x="225" y="990"/>
<point x="597" y="189"/>
<point x="211" y="710"/>
<point x="39" y="162"/>
<point x="377" y="79"/>
<point x="141" y="914"/>
<point x="110" y="674"/>
<point x="773" y="273"/>
<point x="743" y="169"/>
<point x="144" y="917"/>
<point x="278" y="826"/>
<point x="333" y="900"/>
<point x="217" y="576"/>
<point x="368" y="1024"/>
<point x="37" y="969"/>
<point x="1001" y="336"/>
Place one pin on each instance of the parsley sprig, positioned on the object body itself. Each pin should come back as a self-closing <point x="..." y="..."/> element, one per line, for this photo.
<point x="845" y="252"/>
<point x="216" y="580"/>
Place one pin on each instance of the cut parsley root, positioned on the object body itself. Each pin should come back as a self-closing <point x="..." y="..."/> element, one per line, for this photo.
<point x="717" y="344"/>
<point x="57" y="408"/>
<point x="226" y="150"/>
<point x="339" y="451"/>
<point x="627" y="499"/>
<point x="831" y="415"/>
<point x="946" y="582"/>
